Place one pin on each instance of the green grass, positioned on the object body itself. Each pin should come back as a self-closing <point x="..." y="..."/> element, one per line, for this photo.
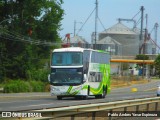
<point x="1" y="85"/>
<point x="17" y="86"/>
<point x="155" y="78"/>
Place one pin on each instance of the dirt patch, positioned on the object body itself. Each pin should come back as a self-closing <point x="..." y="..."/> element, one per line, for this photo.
<point x="123" y="81"/>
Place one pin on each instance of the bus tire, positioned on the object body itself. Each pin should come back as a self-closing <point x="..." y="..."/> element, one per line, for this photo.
<point x="103" y="95"/>
<point x="85" y="97"/>
<point x="59" y="97"/>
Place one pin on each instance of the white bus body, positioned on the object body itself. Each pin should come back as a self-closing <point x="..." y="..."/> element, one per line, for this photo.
<point x="78" y="72"/>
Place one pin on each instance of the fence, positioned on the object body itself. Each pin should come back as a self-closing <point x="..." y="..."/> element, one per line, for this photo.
<point x="147" y="107"/>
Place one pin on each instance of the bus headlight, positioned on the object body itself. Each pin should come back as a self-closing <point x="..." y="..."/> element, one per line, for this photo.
<point x="55" y="89"/>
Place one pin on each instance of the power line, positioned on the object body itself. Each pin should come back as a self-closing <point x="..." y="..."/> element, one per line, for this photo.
<point x="135" y="15"/>
<point x="155" y="43"/>
<point x="101" y="24"/>
<point x="86" y="20"/>
<point x="138" y="21"/>
<point x="17" y="37"/>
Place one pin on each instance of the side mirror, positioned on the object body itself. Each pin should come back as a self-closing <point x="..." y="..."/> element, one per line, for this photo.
<point x="85" y="78"/>
<point x="49" y="78"/>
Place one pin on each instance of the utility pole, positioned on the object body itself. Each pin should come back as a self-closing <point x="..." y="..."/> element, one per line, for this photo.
<point x="74" y="27"/>
<point x="146" y="21"/>
<point x="141" y="32"/>
<point x="156" y="30"/>
<point x="145" y="35"/>
<point x="96" y="21"/>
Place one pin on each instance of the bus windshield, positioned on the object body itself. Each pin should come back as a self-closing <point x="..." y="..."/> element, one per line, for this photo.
<point x="66" y="58"/>
<point x="66" y="76"/>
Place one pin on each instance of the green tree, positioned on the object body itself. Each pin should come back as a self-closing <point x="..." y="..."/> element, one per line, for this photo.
<point x="157" y="65"/>
<point x="22" y="20"/>
<point x="142" y="57"/>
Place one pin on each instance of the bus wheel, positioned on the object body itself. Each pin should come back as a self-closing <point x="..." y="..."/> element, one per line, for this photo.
<point x="59" y="97"/>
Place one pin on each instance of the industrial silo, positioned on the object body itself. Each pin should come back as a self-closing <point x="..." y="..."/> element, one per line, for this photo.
<point x="128" y="38"/>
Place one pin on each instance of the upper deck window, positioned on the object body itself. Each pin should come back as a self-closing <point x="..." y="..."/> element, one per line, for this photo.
<point x="99" y="57"/>
<point x="67" y="58"/>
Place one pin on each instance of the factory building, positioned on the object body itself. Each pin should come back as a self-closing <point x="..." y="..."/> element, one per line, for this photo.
<point x="127" y="39"/>
<point x="123" y="42"/>
<point x="119" y="40"/>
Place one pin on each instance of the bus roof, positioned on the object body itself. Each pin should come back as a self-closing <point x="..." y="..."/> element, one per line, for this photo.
<point x="75" y="49"/>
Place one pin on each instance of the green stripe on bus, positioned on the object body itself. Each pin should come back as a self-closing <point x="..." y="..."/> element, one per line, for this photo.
<point x="69" y="89"/>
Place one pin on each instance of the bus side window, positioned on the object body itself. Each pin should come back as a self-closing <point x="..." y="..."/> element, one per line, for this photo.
<point x="92" y="77"/>
<point x="98" y="77"/>
<point x="86" y="60"/>
<point x="95" y="77"/>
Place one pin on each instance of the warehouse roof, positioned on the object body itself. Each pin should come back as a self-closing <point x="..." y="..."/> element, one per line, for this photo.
<point x="118" y="28"/>
<point x="108" y="40"/>
<point x="76" y="39"/>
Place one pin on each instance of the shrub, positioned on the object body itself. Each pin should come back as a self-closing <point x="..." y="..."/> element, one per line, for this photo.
<point x="16" y="86"/>
<point x="37" y="86"/>
<point x="38" y="75"/>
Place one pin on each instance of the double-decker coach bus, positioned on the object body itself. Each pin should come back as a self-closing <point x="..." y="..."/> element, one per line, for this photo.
<point x="79" y="73"/>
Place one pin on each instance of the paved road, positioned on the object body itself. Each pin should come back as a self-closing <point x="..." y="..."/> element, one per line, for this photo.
<point x="30" y="101"/>
<point x="140" y="87"/>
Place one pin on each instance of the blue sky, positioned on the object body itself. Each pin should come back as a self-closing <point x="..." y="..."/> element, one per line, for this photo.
<point x="109" y="11"/>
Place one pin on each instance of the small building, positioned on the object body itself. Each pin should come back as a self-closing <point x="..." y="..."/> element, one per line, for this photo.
<point x="109" y="44"/>
<point x="77" y="41"/>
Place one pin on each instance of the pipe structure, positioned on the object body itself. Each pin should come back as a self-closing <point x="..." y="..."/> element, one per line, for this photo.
<point x="132" y="61"/>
